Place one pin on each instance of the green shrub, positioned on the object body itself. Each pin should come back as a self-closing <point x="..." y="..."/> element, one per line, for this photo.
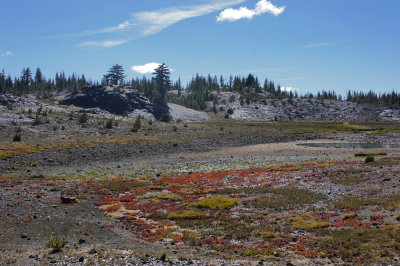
<point x="109" y="123"/>
<point x="83" y="118"/>
<point x="17" y="136"/>
<point x="166" y="118"/>
<point x="230" y="111"/>
<point x="137" y="125"/>
<point x="163" y="256"/>
<point x="369" y="159"/>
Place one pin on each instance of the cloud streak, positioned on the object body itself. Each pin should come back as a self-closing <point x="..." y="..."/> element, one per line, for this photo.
<point x="105" y="44"/>
<point x="323" y="44"/>
<point x="141" y="24"/>
<point x="263" y="6"/>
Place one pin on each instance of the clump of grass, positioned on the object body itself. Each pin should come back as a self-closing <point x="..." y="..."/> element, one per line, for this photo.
<point x="306" y="221"/>
<point x="217" y="203"/>
<point x="284" y="198"/>
<point x="56" y="243"/>
<point x="267" y="234"/>
<point x="247" y="252"/>
<point x="165" y="196"/>
<point x="349" y="216"/>
<point x="185" y="215"/>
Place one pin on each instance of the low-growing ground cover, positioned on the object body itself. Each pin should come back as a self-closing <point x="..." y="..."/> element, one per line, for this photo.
<point x="336" y="211"/>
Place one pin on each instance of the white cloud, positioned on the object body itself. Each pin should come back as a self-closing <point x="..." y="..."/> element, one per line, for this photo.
<point x="146" y="23"/>
<point x="105" y="44"/>
<point x="146" y="68"/>
<point x="8" y="53"/>
<point x="262" y="7"/>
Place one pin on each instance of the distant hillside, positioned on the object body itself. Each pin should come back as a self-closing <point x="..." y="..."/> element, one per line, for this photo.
<point x="229" y="105"/>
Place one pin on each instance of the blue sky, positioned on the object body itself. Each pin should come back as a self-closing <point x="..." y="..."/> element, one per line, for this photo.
<point x="309" y="45"/>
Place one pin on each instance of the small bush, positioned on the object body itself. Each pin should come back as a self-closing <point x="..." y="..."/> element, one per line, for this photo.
<point x="109" y="123"/>
<point x="56" y="243"/>
<point x="163" y="256"/>
<point x="17" y="136"/>
<point x="37" y="120"/>
<point x="267" y="234"/>
<point x="137" y="125"/>
<point x="369" y="159"/>
<point x="166" y="118"/>
<point x="230" y="111"/>
<point x="226" y="116"/>
<point x="83" y="118"/>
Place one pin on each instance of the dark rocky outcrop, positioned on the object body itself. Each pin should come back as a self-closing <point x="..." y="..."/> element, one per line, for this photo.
<point x="115" y="100"/>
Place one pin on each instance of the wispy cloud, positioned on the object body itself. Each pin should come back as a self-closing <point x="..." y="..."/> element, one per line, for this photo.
<point x="152" y="22"/>
<point x="146" y="68"/>
<point x="263" y="6"/>
<point x="105" y="44"/>
<point x="323" y="44"/>
<point x="141" y="24"/>
<point x="8" y="53"/>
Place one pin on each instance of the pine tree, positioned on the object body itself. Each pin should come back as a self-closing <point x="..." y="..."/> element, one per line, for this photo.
<point x="162" y="80"/>
<point x="38" y="77"/>
<point x="115" y="75"/>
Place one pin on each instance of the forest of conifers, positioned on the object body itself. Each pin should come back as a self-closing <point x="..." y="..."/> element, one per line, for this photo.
<point x="195" y="94"/>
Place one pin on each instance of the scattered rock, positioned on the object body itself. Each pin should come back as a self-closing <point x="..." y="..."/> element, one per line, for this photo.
<point x="68" y="199"/>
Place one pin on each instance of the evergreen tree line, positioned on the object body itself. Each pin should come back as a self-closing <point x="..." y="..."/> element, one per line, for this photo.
<point x="41" y="86"/>
<point x="198" y="91"/>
